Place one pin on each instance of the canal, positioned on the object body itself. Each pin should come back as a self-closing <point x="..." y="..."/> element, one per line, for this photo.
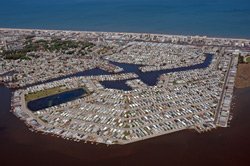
<point x="149" y="78"/>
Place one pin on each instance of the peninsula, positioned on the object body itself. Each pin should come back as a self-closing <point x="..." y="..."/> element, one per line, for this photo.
<point x="119" y="88"/>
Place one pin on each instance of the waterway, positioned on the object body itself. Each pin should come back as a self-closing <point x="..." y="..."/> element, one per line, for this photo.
<point x="90" y="72"/>
<point x="149" y="78"/>
<point x="56" y="99"/>
<point x="226" y="18"/>
<point x="219" y="147"/>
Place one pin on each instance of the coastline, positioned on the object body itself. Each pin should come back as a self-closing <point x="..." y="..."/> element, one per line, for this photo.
<point x="124" y="32"/>
<point x="229" y="66"/>
<point x="181" y="147"/>
<point x="133" y="32"/>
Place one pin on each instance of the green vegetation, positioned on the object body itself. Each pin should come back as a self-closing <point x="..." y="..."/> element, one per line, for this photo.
<point x="45" y="93"/>
<point x="55" y="45"/>
<point x="241" y="59"/>
<point x="48" y="92"/>
<point x="247" y="59"/>
<point x="20" y="54"/>
<point x="126" y="133"/>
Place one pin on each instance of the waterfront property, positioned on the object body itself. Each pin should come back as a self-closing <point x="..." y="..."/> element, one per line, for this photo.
<point x="136" y="86"/>
<point x="56" y="99"/>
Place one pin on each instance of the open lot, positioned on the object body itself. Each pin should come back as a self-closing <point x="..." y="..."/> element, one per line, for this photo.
<point x="45" y="93"/>
<point x="243" y="76"/>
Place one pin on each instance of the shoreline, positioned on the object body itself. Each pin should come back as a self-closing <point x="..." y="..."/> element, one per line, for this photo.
<point x="142" y="33"/>
<point x="198" y="115"/>
<point x="178" y="144"/>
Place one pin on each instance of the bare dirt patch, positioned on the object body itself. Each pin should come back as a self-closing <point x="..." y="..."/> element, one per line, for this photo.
<point x="243" y="76"/>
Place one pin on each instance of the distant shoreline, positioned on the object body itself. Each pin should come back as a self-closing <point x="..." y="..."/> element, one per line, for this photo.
<point x="158" y="34"/>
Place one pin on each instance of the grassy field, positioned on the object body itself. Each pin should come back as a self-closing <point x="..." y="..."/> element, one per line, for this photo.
<point x="247" y="59"/>
<point x="45" y="93"/>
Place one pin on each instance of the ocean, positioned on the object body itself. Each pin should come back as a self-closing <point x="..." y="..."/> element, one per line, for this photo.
<point x="221" y="18"/>
<point x="219" y="147"/>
